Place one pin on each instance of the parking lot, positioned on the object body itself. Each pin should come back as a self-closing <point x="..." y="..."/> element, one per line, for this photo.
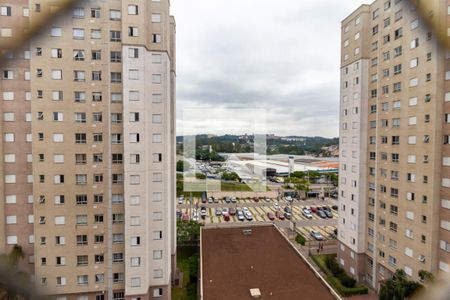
<point x="259" y="211"/>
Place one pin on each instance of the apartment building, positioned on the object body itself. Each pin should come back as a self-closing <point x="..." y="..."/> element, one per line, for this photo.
<point x="394" y="118"/>
<point x="16" y="190"/>
<point x="89" y="118"/>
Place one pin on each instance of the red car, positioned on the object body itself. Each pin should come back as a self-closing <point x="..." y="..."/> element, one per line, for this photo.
<point x="256" y="199"/>
<point x="226" y="217"/>
<point x="280" y="215"/>
<point x="313" y="209"/>
<point x="271" y="216"/>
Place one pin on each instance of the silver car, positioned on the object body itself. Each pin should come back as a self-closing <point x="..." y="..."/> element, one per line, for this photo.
<point x="218" y="211"/>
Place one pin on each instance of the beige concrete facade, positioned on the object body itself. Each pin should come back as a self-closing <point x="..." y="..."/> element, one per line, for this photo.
<point x="102" y="134"/>
<point x="16" y="205"/>
<point x="404" y="221"/>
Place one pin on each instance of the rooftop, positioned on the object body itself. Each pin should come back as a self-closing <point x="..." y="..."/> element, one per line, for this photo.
<point x="234" y="263"/>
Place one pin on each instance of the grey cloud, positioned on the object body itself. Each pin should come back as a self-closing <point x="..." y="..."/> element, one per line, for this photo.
<point x="279" y="55"/>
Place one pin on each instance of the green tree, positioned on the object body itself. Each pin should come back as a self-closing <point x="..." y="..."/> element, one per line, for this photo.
<point x="13" y="283"/>
<point x="233" y="176"/>
<point x="425" y="276"/>
<point x="334" y="178"/>
<point x="187" y="232"/>
<point x="398" y="287"/>
<point x="183" y="165"/>
<point x="200" y="176"/>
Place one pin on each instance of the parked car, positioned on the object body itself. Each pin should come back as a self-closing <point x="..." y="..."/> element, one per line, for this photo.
<point x="334" y="195"/>
<point x="210" y="200"/>
<point x="225" y="210"/>
<point x="316" y="235"/>
<point x="179" y="214"/>
<point x="233" y="200"/>
<point x="328" y="213"/>
<point x="245" y="209"/>
<point x="307" y="213"/>
<point x="240" y="215"/>
<point x="215" y="200"/>
<point x="276" y="206"/>
<point x="203" y="212"/>
<point x="218" y="211"/>
<point x="287" y="209"/>
<point x="226" y="216"/>
<point x="266" y="199"/>
<point x="228" y="199"/>
<point x="326" y="208"/>
<point x="288" y="198"/>
<point x="287" y="215"/>
<point x="181" y="200"/>
<point x="321" y="214"/>
<point x="280" y="215"/>
<point x="271" y="216"/>
<point x="256" y="199"/>
<point x="248" y="216"/>
<point x="232" y="211"/>
<point x="313" y="209"/>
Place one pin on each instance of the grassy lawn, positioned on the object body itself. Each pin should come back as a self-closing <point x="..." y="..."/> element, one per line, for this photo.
<point x="239" y="187"/>
<point x="224" y="186"/>
<point x="183" y="256"/>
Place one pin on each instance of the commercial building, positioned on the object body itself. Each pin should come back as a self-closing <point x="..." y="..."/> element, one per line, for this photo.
<point x="394" y="145"/>
<point x="88" y="147"/>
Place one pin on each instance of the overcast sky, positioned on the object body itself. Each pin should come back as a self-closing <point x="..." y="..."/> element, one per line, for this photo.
<point x="240" y="60"/>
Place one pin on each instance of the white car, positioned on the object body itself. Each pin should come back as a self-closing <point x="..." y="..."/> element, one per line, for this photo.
<point x="316" y="235"/>
<point x="225" y="210"/>
<point x="180" y="200"/>
<point x="307" y="213"/>
<point x="203" y="212"/>
<point x="289" y="198"/>
<point x="245" y="210"/>
<point x="276" y="206"/>
<point x="248" y="216"/>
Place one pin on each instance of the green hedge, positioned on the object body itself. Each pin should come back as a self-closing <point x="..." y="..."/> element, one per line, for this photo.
<point x="336" y="276"/>
<point x="345" y="291"/>
<point x="300" y="239"/>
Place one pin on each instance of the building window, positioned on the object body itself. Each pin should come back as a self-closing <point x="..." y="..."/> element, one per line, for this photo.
<point x="116" y="56"/>
<point x="133" y="31"/>
<point x="78" y="33"/>
<point x="115" y="36"/>
<point x="156" y="38"/>
<point x="133" y="9"/>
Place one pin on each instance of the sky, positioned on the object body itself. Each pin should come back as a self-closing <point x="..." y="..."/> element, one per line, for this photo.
<point x="241" y="63"/>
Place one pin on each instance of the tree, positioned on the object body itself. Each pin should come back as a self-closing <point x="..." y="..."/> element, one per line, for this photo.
<point x="200" y="176"/>
<point x="334" y="178"/>
<point x="425" y="276"/>
<point x="183" y="165"/>
<point x="187" y="232"/>
<point x="398" y="287"/>
<point x="13" y="283"/>
<point x="233" y="176"/>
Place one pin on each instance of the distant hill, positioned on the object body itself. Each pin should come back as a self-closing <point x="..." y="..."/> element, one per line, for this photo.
<point x="295" y="145"/>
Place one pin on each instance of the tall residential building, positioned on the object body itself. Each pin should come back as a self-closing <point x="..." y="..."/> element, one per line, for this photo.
<point x="88" y="148"/>
<point x="395" y="152"/>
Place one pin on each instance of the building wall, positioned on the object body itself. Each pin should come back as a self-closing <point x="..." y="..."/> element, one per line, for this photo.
<point x="73" y="120"/>
<point x="353" y="142"/>
<point x="16" y="204"/>
<point x="405" y="117"/>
